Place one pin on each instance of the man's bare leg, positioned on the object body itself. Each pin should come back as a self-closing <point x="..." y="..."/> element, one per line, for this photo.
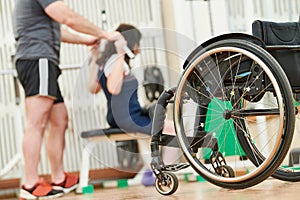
<point x="37" y="114"/>
<point x="56" y="140"/>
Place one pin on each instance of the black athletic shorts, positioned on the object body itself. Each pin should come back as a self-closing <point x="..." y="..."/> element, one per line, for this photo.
<point x="39" y="77"/>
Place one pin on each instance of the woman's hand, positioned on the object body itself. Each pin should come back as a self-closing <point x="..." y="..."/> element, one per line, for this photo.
<point x="118" y="40"/>
<point x="119" y="44"/>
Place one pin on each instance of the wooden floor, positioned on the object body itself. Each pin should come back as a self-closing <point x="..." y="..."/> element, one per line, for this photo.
<point x="270" y="189"/>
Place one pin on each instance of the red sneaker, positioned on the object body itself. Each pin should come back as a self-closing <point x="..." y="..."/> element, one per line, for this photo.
<point x="69" y="184"/>
<point x="40" y="190"/>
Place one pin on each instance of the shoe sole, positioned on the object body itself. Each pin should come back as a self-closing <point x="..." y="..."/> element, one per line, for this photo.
<point x="27" y="195"/>
<point x="66" y="190"/>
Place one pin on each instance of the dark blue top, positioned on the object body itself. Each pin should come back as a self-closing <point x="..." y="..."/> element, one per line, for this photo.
<point x="124" y="110"/>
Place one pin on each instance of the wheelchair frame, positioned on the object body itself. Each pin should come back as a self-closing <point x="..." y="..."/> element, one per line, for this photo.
<point x="250" y="85"/>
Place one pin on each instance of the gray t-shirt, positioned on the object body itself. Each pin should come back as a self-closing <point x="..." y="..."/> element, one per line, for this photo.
<point x="36" y="34"/>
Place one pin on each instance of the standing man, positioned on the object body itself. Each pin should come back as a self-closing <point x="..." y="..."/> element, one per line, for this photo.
<point x="39" y="35"/>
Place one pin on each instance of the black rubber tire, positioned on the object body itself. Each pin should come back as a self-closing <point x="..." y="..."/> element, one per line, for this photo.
<point x="227" y="171"/>
<point x="170" y="187"/>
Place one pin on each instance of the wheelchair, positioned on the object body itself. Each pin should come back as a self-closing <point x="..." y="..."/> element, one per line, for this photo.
<point x="234" y="114"/>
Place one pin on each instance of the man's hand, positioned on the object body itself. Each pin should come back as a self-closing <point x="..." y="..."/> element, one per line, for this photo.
<point x="92" y="41"/>
<point x="114" y="36"/>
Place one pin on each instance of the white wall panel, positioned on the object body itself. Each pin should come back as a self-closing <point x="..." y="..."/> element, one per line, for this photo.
<point x="241" y="13"/>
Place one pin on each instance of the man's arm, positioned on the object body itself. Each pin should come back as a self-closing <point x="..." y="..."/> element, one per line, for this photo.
<point x="61" y="13"/>
<point x="74" y="38"/>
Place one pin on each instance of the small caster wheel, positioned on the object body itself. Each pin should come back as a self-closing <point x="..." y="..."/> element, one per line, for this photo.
<point x="225" y="171"/>
<point x="168" y="185"/>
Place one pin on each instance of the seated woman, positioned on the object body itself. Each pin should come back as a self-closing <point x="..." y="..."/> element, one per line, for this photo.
<point x="112" y="73"/>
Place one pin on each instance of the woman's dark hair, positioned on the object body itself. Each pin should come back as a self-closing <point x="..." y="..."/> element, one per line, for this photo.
<point x="131" y="34"/>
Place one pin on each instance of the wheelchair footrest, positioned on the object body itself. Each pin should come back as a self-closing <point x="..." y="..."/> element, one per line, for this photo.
<point x="176" y="167"/>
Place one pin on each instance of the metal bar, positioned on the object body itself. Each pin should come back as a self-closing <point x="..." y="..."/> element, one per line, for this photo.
<point x="70" y="66"/>
<point x="255" y="112"/>
<point x="62" y="67"/>
<point x="12" y="162"/>
<point x="8" y="72"/>
<point x="283" y="47"/>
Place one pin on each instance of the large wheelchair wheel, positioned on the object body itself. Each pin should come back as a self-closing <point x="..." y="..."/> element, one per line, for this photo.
<point x="225" y="89"/>
<point x="289" y="169"/>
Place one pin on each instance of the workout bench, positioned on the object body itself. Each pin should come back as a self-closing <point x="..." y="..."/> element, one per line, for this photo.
<point x="113" y="134"/>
